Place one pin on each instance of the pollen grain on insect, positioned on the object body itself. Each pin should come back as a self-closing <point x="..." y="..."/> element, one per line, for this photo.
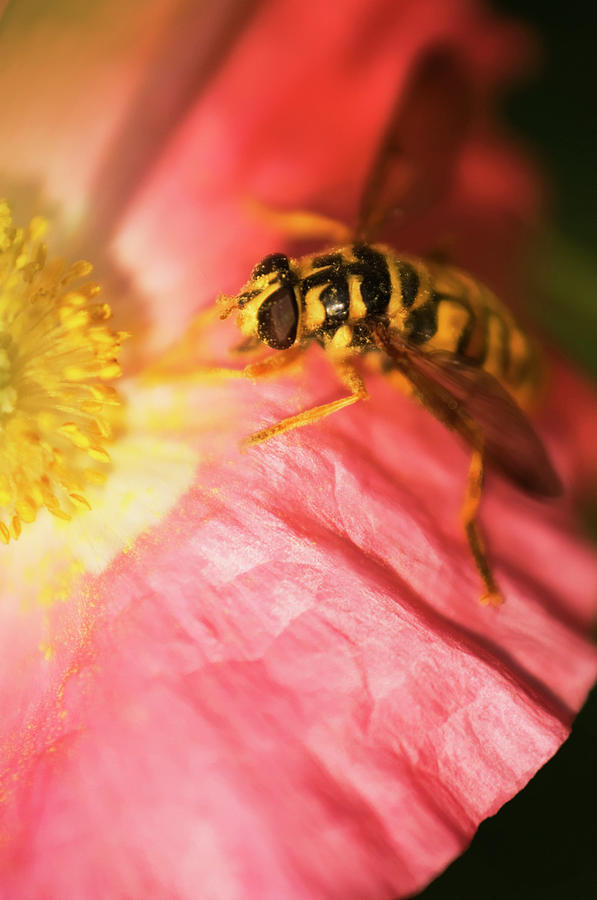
<point x="57" y="354"/>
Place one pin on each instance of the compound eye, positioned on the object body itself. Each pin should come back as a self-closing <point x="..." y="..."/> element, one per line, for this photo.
<point x="275" y="262"/>
<point x="277" y="319"/>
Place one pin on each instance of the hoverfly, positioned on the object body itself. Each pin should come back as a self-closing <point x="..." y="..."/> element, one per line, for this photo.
<point x="465" y="358"/>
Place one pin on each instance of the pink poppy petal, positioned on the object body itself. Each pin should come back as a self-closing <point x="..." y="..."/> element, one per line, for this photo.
<point x="194" y="42"/>
<point x="67" y="75"/>
<point x="288" y="687"/>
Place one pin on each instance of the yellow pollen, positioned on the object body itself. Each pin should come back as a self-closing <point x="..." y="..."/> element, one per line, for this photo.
<point x="56" y="354"/>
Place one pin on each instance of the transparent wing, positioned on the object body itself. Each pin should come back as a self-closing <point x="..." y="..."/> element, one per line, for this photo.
<point x="473" y="403"/>
<point x="418" y="151"/>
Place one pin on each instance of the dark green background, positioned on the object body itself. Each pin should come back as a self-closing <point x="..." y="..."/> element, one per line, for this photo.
<point x="543" y="844"/>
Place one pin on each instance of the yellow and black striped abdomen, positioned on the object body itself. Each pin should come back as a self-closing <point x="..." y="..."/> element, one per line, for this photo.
<point x="442" y="308"/>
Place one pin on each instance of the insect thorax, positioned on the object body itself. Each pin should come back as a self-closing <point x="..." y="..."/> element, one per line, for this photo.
<point x="345" y="287"/>
<point x="347" y="290"/>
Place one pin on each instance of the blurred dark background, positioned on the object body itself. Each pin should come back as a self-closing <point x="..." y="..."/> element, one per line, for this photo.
<point x="543" y="844"/>
<point x="556" y="114"/>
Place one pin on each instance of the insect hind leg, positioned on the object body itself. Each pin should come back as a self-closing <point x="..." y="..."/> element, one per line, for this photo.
<point x="474" y="489"/>
<point x="301" y="223"/>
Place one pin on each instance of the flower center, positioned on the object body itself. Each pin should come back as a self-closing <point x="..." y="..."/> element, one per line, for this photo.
<point x="56" y="355"/>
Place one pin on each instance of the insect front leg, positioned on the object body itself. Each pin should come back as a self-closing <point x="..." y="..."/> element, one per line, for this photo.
<point x="273" y="365"/>
<point x="474" y="489"/>
<point x="266" y="368"/>
<point x="348" y="375"/>
<point x="247" y="346"/>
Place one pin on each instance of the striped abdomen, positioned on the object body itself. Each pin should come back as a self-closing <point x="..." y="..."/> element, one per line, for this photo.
<point x="443" y="308"/>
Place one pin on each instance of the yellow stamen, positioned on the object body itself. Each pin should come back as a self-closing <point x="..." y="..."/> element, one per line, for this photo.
<point x="56" y="353"/>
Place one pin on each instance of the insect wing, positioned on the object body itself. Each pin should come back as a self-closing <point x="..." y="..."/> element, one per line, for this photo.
<point x="418" y="152"/>
<point x="472" y="402"/>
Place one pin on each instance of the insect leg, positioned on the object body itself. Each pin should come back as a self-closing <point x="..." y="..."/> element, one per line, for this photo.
<point x="474" y="488"/>
<point x="247" y="346"/>
<point x="302" y="223"/>
<point x="273" y="365"/>
<point x="348" y="376"/>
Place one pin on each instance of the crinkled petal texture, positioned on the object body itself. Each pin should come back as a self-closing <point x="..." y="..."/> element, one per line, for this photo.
<point x="286" y="687"/>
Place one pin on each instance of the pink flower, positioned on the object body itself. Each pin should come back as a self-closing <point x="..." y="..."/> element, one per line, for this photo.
<point x="265" y="674"/>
